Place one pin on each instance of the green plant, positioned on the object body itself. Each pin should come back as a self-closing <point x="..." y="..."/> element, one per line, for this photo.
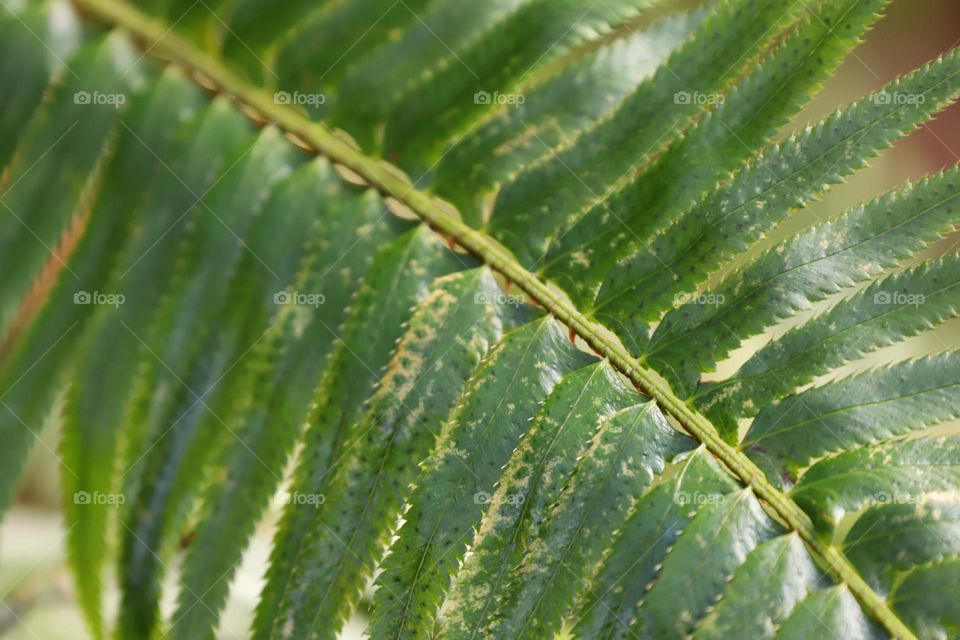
<point x="514" y="363"/>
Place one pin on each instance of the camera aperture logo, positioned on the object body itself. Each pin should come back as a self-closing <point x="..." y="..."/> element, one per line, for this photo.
<point x="95" y="297"/>
<point x="85" y="498"/>
<point x="485" y="98"/>
<point x="299" y="298"/>
<point x="115" y="100"/>
<point x="314" y="100"/>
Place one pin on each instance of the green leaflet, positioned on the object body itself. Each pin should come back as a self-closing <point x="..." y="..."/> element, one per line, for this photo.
<point x="616" y="596"/>
<point x="900" y="471"/>
<point x="831" y="613"/>
<point x="891" y="538"/>
<point x="867" y="408"/>
<point x="582" y="256"/>
<point x="530" y="484"/>
<point x="630" y="449"/>
<point x="552" y="114"/>
<point x="187" y="363"/>
<point x="44" y="191"/>
<point x="270" y="323"/>
<point x="26" y="66"/>
<point x="363" y="491"/>
<point x="86" y="448"/>
<point x="398" y="279"/>
<point x="201" y="21"/>
<point x="888" y="311"/>
<point x="549" y="196"/>
<point x="787" y="176"/>
<point x="353" y="230"/>
<point x="804" y="269"/>
<point x="320" y="51"/>
<point x="927" y="599"/>
<point x="763" y="591"/>
<point x="434" y="111"/>
<point x="284" y="368"/>
<point x="455" y="484"/>
<point x="256" y="24"/>
<point x="695" y="572"/>
<point x="38" y="183"/>
<point x="377" y="85"/>
<point x="93" y="412"/>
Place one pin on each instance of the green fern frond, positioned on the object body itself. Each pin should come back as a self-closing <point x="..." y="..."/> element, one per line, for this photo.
<point x="492" y="385"/>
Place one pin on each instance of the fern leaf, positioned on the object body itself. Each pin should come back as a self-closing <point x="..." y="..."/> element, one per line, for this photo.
<point x="553" y="113"/>
<point x="832" y="611"/>
<point x="65" y="188"/>
<point x="379" y="83"/>
<point x="863" y="409"/>
<point x="922" y="532"/>
<point x="628" y="452"/>
<point x="496" y="471"/>
<point x="94" y="409"/>
<point x="177" y="440"/>
<point x="205" y="579"/>
<point x="802" y="270"/>
<point x="548" y="196"/>
<point x="876" y="474"/>
<point x="363" y="492"/>
<point x="26" y="67"/>
<point x="318" y="53"/>
<point x="530" y="483"/>
<point x="926" y="598"/>
<point x="581" y="257"/>
<point x="888" y="311"/>
<point x="452" y="494"/>
<point x="616" y="595"/>
<point x="442" y="105"/>
<point x="787" y="176"/>
<point x="86" y="448"/>
<point x="39" y="181"/>
<point x="762" y="592"/>
<point x="736" y="524"/>
<point x="397" y="280"/>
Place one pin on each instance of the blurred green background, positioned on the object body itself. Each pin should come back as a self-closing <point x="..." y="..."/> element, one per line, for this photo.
<point x="34" y="582"/>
